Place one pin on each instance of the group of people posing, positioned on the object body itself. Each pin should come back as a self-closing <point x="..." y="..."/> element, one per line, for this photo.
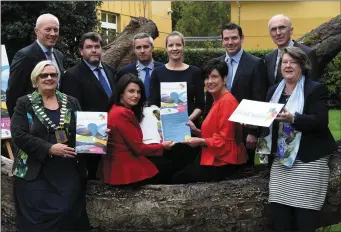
<point x="42" y="98"/>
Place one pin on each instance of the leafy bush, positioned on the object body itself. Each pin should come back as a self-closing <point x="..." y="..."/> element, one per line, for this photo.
<point x="331" y="77"/>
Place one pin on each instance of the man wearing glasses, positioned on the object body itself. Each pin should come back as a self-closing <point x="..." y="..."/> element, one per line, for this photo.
<point x="280" y="30"/>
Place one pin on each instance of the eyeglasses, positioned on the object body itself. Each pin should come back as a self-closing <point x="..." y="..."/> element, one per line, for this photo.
<point x="46" y="75"/>
<point x="280" y="28"/>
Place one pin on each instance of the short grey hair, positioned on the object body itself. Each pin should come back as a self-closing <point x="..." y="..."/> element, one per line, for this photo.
<point x="280" y="16"/>
<point x="46" y="16"/>
<point x="299" y="56"/>
<point x="39" y="68"/>
<point x="142" y="36"/>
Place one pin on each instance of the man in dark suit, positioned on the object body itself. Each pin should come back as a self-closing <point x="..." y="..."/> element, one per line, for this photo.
<point x="246" y="78"/>
<point x="144" y="66"/>
<point x="92" y="83"/>
<point x="19" y="82"/>
<point x="280" y="30"/>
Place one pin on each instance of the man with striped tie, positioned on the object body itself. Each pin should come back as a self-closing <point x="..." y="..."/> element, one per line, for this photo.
<point x="92" y="82"/>
<point x="19" y="82"/>
<point x="143" y="48"/>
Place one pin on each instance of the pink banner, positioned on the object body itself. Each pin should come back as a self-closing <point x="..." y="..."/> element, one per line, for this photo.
<point x="5" y="128"/>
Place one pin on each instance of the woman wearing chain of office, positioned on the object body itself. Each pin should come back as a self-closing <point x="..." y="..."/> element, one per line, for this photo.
<point x="49" y="184"/>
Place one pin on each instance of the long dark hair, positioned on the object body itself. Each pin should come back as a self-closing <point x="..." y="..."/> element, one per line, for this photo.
<point x="121" y="85"/>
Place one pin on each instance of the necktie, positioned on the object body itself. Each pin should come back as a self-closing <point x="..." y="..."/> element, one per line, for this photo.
<point x="229" y="74"/>
<point x="103" y="82"/>
<point x="49" y="55"/>
<point x="146" y="80"/>
<point x="278" y="73"/>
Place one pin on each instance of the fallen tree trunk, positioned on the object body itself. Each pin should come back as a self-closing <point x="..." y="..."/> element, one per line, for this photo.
<point x="238" y="204"/>
<point x="325" y="40"/>
<point x="120" y="52"/>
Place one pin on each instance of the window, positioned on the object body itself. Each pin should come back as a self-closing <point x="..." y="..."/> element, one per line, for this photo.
<point x="109" y="27"/>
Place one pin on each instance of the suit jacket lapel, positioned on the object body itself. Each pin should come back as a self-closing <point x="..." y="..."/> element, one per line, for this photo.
<point x="110" y="76"/>
<point x="89" y="74"/>
<point x="272" y="66"/>
<point x="59" y="61"/>
<point x="241" y="67"/>
<point x="39" y="52"/>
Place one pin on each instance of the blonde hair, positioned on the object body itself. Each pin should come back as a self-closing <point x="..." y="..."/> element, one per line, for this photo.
<point x="39" y="68"/>
<point x="176" y="33"/>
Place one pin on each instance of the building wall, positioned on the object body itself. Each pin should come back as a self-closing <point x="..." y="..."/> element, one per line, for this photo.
<point x="254" y="18"/>
<point x="154" y="10"/>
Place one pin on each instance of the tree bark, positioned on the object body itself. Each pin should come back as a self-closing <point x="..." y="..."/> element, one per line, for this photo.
<point x="120" y="52"/>
<point x="238" y="204"/>
<point x="325" y="40"/>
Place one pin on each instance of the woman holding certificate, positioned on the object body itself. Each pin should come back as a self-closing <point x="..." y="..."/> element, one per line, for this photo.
<point x="301" y="141"/>
<point x="49" y="180"/>
<point x="220" y="139"/>
<point x="177" y="71"/>
<point x="130" y="162"/>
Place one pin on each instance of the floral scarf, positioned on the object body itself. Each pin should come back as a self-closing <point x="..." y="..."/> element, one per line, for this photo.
<point x="289" y="139"/>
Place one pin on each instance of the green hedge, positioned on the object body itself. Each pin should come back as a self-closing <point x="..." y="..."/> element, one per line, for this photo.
<point x="331" y="77"/>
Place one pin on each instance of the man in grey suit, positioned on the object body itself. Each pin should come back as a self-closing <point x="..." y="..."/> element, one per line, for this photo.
<point x="19" y="82"/>
<point x="280" y="30"/>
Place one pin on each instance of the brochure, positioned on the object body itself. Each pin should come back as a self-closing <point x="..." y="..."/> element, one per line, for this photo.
<point x="173" y="111"/>
<point x="256" y="113"/>
<point x="91" y="132"/>
<point x="151" y="125"/>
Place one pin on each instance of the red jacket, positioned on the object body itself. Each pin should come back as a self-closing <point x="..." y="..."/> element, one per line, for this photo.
<point x="222" y="137"/>
<point x="125" y="162"/>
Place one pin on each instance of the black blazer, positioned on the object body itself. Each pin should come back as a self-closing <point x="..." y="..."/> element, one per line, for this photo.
<point x="316" y="140"/>
<point x="131" y="68"/>
<point x="81" y="83"/>
<point x="33" y="139"/>
<point x="271" y="58"/>
<point x="23" y="63"/>
<point x="250" y="82"/>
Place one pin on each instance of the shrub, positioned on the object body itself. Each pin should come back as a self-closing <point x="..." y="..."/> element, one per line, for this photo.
<point x="331" y="77"/>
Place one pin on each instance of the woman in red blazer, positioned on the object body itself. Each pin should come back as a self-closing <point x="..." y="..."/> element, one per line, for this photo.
<point x="126" y="162"/>
<point x="220" y="139"/>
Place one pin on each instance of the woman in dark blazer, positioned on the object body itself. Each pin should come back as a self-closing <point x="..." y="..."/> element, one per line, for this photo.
<point x="130" y="162"/>
<point x="301" y="142"/>
<point x="49" y="185"/>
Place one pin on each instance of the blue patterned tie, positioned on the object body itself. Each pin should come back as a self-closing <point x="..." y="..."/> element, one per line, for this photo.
<point x="230" y="74"/>
<point x="146" y="80"/>
<point x="49" y="55"/>
<point x="103" y="82"/>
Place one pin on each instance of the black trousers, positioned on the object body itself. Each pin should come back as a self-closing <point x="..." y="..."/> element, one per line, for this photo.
<point x="287" y="218"/>
<point x="92" y="162"/>
<point x="200" y="173"/>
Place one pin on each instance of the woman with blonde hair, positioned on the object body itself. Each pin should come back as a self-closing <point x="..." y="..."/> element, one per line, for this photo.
<point x="178" y="71"/>
<point x="49" y="177"/>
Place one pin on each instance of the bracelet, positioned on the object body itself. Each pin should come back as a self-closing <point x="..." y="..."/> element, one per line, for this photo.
<point x="203" y="143"/>
<point x="293" y="119"/>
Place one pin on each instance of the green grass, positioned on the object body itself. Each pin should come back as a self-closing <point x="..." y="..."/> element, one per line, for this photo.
<point x="335" y="123"/>
<point x="333" y="228"/>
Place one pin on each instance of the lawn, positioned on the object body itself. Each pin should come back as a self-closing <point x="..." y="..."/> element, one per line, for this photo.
<point x="335" y="123"/>
<point x="333" y="228"/>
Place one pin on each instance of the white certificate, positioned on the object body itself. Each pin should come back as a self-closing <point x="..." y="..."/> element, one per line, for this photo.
<point x="256" y="113"/>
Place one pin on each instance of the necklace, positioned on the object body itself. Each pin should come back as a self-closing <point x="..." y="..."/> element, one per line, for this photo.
<point x="59" y="130"/>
